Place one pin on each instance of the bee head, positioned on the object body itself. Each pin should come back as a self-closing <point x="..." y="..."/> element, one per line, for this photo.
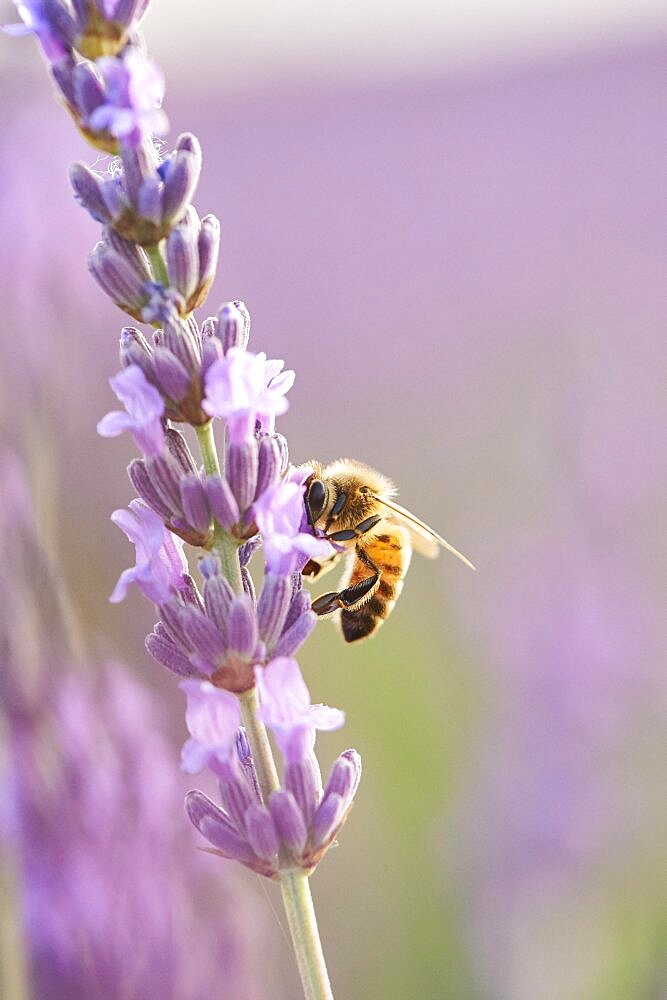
<point x="316" y="500"/>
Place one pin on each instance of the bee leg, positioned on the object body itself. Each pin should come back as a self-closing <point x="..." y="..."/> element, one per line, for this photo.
<point x="352" y="597"/>
<point x="314" y="568"/>
<point x="348" y="534"/>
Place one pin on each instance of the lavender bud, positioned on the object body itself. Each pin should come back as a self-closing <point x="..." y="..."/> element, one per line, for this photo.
<point x="88" y="90"/>
<point x="211" y="350"/>
<point x="181" y="177"/>
<point x="172" y="377"/>
<point x="223" y="503"/>
<point x="208" y="247"/>
<point x="190" y="594"/>
<point x="62" y="72"/>
<point x="149" y="200"/>
<point x="261" y="832"/>
<point x="130" y="252"/>
<point x="218" y="597"/>
<point x="118" y="279"/>
<point x="268" y="464"/>
<point x="141" y="480"/>
<point x="170" y="615"/>
<point x="165" y="475"/>
<point x="342" y="779"/>
<point x="177" y="338"/>
<point x="241" y="472"/>
<point x="233" y="326"/>
<point x="88" y="192"/>
<point x="206" y="639"/>
<point x="246" y="761"/>
<point x="112" y="192"/>
<point x="300" y="604"/>
<point x="195" y="503"/>
<point x="289" y="821"/>
<point x="248" y="585"/>
<point x="178" y="448"/>
<point x="272" y="607"/>
<point x="296" y="635"/>
<point x="248" y="549"/>
<point x="235" y="792"/>
<point x="182" y="254"/>
<point x="326" y="821"/>
<point x="355" y="760"/>
<point x="303" y="780"/>
<point x="138" y="163"/>
<point x="215" y="826"/>
<point x="134" y="348"/>
<point x="169" y="656"/>
<point x="242" y="626"/>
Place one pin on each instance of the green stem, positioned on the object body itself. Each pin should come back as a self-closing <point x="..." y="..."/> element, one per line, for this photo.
<point x="305" y="935"/>
<point x="158" y="265"/>
<point x="267" y="775"/>
<point x="225" y="545"/>
<point x="294" y="884"/>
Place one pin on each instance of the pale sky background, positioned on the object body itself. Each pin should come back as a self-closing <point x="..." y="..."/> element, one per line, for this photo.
<point x="382" y="39"/>
<point x="255" y="42"/>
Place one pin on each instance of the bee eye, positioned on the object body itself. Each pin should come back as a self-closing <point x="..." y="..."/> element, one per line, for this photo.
<point x="316" y="500"/>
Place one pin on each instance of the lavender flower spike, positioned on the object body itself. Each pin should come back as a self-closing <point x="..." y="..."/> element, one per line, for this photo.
<point x="144" y="406"/>
<point x="285" y="707"/>
<point x="161" y="566"/>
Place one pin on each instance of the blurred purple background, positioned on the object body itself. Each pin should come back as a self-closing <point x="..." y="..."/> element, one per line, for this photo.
<point x="467" y="273"/>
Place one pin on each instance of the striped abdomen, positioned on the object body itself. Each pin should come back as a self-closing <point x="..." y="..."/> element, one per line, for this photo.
<point x="390" y="552"/>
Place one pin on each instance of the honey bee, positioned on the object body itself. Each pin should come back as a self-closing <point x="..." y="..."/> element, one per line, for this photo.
<point x="354" y="506"/>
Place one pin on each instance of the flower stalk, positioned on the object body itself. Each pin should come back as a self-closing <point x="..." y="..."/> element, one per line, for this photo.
<point x="267" y="773"/>
<point x="300" y="912"/>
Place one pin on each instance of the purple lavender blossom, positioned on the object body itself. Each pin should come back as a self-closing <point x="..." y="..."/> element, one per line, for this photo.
<point x="300" y="821"/>
<point x="243" y="387"/>
<point x="134" y="93"/>
<point x="144" y="410"/>
<point x="161" y="566"/>
<point x="37" y="19"/>
<point x="280" y="516"/>
<point x="285" y="707"/>
<point x="213" y="717"/>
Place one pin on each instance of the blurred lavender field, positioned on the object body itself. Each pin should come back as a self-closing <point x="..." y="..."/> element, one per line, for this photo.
<point x="468" y="277"/>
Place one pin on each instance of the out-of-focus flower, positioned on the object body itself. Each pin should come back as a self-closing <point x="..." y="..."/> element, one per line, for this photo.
<point x="44" y="19"/>
<point x="243" y="387"/>
<point x="144" y="410"/>
<point x="286" y="708"/>
<point x="280" y="516"/>
<point x="90" y="811"/>
<point x="161" y="566"/>
<point x="134" y="92"/>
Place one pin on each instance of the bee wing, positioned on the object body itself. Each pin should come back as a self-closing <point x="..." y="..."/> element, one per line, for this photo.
<point x="425" y="540"/>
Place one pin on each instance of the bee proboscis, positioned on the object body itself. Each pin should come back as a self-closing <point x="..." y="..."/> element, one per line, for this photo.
<point x="354" y="505"/>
